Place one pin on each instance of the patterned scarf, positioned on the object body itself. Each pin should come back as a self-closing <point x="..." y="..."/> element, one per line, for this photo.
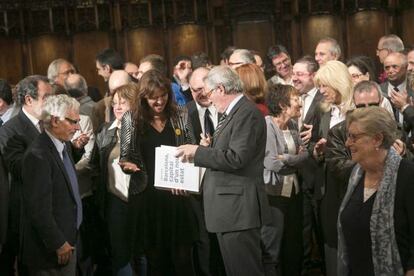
<point x="385" y="255"/>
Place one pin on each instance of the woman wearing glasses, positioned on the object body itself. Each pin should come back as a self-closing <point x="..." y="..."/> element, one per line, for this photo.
<point x="376" y="217"/>
<point x="112" y="182"/>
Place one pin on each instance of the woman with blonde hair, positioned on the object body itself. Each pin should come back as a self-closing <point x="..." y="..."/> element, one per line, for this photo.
<point x="335" y="84"/>
<point x="254" y="84"/>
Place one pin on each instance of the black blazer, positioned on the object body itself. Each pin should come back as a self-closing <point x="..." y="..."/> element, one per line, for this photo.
<point x="4" y="202"/>
<point x="49" y="206"/>
<point x="195" y="120"/>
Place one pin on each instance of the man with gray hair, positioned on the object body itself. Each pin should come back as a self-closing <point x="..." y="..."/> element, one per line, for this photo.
<point x="59" y="70"/>
<point x="388" y="44"/>
<point x="326" y="50"/>
<point x="240" y="57"/>
<point x="77" y="88"/>
<point x="233" y="189"/>
<point x="15" y="137"/>
<point x="52" y="208"/>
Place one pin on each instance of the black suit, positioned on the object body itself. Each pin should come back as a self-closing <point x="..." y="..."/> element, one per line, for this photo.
<point x="15" y="137"/>
<point x="235" y="203"/>
<point x="49" y="206"/>
<point x="195" y="120"/>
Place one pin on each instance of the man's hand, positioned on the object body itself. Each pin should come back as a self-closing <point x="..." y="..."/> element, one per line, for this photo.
<point x="81" y="141"/>
<point x="179" y="192"/>
<point x="400" y="99"/>
<point x="205" y="140"/>
<point x="186" y="152"/>
<point x="319" y="148"/>
<point x="306" y="135"/>
<point x="128" y="167"/>
<point x="64" y="253"/>
<point x="183" y="71"/>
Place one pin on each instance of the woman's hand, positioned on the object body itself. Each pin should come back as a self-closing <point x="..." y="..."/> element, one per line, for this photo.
<point x="128" y="167"/>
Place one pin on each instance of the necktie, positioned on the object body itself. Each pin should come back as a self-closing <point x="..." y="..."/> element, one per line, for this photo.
<point x="70" y="170"/>
<point x="1" y="122"/>
<point x="397" y="113"/>
<point x="220" y="124"/>
<point x="41" y="127"/>
<point x="208" y="123"/>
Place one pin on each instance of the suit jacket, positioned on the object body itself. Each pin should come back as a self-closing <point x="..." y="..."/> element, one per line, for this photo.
<point x="4" y="202"/>
<point x="15" y="137"/>
<point x="49" y="206"/>
<point x="195" y="120"/>
<point x="307" y="170"/>
<point x="233" y="186"/>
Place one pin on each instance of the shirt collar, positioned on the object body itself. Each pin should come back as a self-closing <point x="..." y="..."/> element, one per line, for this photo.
<point x="58" y="144"/>
<point x="6" y="115"/>
<point x="33" y="119"/>
<point x="115" y="124"/>
<point x="233" y="103"/>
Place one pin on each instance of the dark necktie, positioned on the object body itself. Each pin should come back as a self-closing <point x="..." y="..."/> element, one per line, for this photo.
<point x="220" y="124"/>
<point x="70" y="170"/>
<point x="208" y="123"/>
<point x="1" y="122"/>
<point x="396" y="113"/>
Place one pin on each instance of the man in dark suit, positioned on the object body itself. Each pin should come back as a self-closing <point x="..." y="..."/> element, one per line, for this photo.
<point x="395" y="66"/>
<point x="52" y="208"/>
<point x="15" y="137"/>
<point x="235" y="204"/>
<point x="303" y="72"/>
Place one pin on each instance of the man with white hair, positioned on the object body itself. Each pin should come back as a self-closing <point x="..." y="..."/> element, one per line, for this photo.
<point x="326" y="50"/>
<point x="233" y="188"/>
<point x="52" y="208"/>
<point x="240" y="57"/>
<point x="59" y="70"/>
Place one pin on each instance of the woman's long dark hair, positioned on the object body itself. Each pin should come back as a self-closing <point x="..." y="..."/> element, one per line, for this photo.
<point x="150" y="83"/>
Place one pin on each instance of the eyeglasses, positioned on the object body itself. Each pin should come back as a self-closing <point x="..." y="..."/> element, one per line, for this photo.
<point x="71" y="121"/>
<point x="354" y="137"/>
<point x="210" y="92"/>
<point x="286" y="61"/>
<point x="382" y="49"/>
<point x="300" y="74"/>
<point x="198" y="90"/>
<point x="366" y="105"/>
<point x="356" y="76"/>
<point x="68" y="72"/>
<point x="235" y="63"/>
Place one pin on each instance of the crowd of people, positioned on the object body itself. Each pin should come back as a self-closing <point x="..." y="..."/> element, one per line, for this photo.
<point x="307" y="164"/>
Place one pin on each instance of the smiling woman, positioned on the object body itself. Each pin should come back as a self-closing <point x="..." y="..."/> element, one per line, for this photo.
<point x="377" y="209"/>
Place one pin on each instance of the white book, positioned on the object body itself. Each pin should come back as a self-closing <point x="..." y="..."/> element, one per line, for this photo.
<point x="171" y="173"/>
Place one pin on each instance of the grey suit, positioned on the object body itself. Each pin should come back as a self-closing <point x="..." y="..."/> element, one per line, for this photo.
<point x="235" y="203"/>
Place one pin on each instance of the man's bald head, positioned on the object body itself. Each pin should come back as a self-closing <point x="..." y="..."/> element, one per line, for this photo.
<point x="76" y="84"/>
<point x="117" y="79"/>
<point x="395" y="66"/>
<point x="197" y="86"/>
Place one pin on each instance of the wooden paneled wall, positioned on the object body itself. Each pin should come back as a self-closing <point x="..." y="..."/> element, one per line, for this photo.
<point x="358" y="33"/>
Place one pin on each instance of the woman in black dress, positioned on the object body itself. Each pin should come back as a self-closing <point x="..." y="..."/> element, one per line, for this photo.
<point x="165" y="225"/>
<point x="376" y="217"/>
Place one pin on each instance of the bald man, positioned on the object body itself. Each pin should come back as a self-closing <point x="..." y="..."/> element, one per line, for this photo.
<point x="77" y="87"/>
<point x="395" y="66"/>
<point x="102" y="111"/>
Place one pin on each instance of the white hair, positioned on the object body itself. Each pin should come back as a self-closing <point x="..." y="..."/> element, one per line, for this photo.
<point x="225" y="76"/>
<point x="245" y="55"/>
<point x="57" y="106"/>
<point x="53" y="69"/>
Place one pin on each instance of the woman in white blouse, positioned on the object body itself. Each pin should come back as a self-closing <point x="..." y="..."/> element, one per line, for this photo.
<point x="284" y="153"/>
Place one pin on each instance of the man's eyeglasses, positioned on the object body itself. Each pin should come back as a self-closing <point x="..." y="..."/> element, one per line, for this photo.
<point x="366" y="105"/>
<point x="68" y="72"/>
<point x="71" y="121"/>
